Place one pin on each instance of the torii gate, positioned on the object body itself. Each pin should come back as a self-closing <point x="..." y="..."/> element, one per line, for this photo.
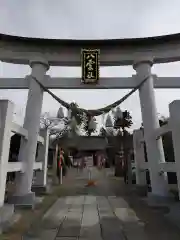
<point x="41" y="54"/>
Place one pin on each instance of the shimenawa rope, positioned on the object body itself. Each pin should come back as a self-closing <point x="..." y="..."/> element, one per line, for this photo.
<point x="92" y="112"/>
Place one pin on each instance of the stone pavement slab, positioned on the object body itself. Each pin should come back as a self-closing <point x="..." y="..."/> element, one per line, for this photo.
<point x="71" y="225"/>
<point x="134" y="231"/>
<point x="111" y="227"/>
<point x="90" y="226"/>
<point x="48" y="234"/>
<point x="66" y="238"/>
<point x="70" y="229"/>
<point x="56" y="214"/>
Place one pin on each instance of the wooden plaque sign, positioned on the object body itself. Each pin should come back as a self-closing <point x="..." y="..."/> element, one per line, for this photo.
<point x="90" y="65"/>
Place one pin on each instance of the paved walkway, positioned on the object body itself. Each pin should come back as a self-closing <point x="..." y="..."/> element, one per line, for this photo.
<point x="99" y="212"/>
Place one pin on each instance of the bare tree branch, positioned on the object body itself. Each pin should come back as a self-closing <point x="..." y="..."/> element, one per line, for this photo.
<point x="46" y="122"/>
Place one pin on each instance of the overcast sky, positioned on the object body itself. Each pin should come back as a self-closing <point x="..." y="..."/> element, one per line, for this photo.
<point x="75" y="19"/>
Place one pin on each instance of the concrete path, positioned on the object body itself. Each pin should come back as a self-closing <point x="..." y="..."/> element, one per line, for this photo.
<point x="94" y="213"/>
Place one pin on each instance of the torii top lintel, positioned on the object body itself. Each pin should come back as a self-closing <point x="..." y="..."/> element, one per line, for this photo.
<point x="67" y="52"/>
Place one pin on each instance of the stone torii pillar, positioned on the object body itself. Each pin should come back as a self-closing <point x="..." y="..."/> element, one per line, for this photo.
<point x="27" y="154"/>
<point x="155" y="152"/>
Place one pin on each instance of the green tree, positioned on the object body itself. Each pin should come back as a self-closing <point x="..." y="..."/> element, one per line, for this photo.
<point x="123" y="123"/>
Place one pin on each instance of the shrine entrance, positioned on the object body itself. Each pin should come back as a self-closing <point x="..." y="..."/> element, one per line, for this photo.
<point x="41" y="54"/>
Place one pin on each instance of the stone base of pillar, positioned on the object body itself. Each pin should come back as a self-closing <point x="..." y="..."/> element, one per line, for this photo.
<point x="6" y="216"/>
<point x="26" y="201"/>
<point x="159" y="201"/>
